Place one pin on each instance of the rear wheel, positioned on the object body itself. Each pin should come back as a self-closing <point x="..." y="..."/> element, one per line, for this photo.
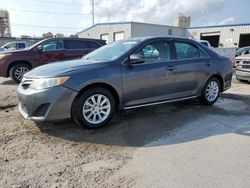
<point x="17" y="72"/>
<point x="94" y="108"/>
<point x="210" y="92"/>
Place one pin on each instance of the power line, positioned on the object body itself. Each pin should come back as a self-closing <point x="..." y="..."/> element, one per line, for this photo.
<point x="47" y="12"/>
<point x="64" y="3"/>
<point x="43" y="26"/>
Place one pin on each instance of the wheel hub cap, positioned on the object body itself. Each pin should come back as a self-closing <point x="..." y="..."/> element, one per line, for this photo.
<point x="96" y="109"/>
<point x="212" y="91"/>
<point x="19" y="72"/>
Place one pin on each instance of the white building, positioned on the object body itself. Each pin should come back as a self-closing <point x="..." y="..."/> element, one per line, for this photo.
<point x="226" y="36"/>
<point x="4" y="24"/>
<point x="182" y="21"/>
<point x="117" y="31"/>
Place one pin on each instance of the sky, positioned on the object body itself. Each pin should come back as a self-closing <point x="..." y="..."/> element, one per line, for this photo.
<point x="35" y="17"/>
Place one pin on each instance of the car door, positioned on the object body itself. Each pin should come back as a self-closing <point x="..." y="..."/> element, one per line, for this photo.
<point x="154" y="79"/>
<point x="51" y="51"/>
<point x="193" y="67"/>
<point x="76" y="49"/>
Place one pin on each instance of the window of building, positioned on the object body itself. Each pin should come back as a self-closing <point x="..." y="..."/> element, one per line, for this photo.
<point x="170" y="32"/>
<point x="105" y="37"/>
<point x="119" y="35"/>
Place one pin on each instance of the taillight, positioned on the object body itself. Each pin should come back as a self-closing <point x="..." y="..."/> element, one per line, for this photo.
<point x="233" y="62"/>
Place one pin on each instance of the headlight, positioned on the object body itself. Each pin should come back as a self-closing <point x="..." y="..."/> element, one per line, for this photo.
<point x="4" y="55"/>
<point x="43" y="83"/>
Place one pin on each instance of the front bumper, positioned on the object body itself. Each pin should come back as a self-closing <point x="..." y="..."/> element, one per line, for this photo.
<point x="52" y="104"/>
<point x="243" y="74"/>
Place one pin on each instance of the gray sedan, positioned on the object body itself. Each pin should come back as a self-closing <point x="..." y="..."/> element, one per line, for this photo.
<point x="123" y="75"/>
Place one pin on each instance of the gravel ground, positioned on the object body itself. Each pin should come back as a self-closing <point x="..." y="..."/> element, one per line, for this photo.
<point x="174" y="145"/>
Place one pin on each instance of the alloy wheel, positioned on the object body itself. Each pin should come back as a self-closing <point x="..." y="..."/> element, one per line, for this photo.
<point x="212" y="91"/>
<point x="96" y="109"/>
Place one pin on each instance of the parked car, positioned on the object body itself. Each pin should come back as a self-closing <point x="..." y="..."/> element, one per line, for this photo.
<point x="123" y="75"/>
<point x="242" y="51"/>
<point x="205" y="43"/>
<point x="242" y="68"/>
<point x="13" y="46"/>
<point x="15" y="63"/>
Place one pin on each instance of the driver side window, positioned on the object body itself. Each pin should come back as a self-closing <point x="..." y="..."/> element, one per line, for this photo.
<point x="155" y="52"/>
<point x="53" y="45"/>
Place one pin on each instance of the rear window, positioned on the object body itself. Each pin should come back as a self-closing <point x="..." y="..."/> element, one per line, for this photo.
<point x="186" y="51"/>
<point x="21" y="45"/>
<point x="80" y="45"/>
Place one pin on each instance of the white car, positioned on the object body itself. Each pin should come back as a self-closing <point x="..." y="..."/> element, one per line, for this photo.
<point x="204" y="42"/>
<point x="13" y="46"/>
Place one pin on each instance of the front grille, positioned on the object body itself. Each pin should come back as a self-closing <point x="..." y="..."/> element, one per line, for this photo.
<point x="26" y="109"/>
<point x="246" y="66"/>
<point x="246" y="62"/>
<point x="41" y="110"/>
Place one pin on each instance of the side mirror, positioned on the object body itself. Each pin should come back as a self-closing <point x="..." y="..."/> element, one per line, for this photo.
<point x="39" y="48"/>
<point x="136" y="59"/>
<point x="6" y="47"/>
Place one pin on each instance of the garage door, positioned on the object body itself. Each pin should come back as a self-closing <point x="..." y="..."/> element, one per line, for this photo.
<point x="119" y="36"/>
<point x="244" y="40"/>
<point x="105" y="37"/>
<point x="213" y="38"/>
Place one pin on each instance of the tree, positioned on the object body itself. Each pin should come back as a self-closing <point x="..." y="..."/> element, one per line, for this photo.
<point x="73" y="36"/>
<point x="59" y="35"/>
<point x="47" y="35"/>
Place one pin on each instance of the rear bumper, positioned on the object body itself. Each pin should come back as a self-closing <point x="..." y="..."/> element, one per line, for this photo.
<point x="46" y="105"/>
<point x="243" y="74"/>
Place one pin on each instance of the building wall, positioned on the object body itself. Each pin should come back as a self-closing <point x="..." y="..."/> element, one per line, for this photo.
<point x="142" y="30"/>
<point x="229" y="35"/>
<point x="131" y="29"/>
<point x="4" y="24"/>
<point x="101" y="29"/>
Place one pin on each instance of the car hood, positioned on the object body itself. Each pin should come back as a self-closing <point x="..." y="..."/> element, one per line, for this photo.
<point x="243" y="57"/>
<point x="60" y="68"/>
<point x="13" y="52"/>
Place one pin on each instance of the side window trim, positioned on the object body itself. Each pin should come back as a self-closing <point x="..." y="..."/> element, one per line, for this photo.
<point x="187" y="42"/>
<point x="85" y="48"/>
<point x="54" y="49"/>
<point x="152" y="41"/>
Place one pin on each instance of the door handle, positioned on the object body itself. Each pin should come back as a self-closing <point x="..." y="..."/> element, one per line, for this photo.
<point x="208" y="63"/>
<point x="171" y="68"/>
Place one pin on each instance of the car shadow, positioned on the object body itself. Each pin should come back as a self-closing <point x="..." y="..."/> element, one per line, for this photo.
<point x="9" y="82"/>
<point x="161" y="125"/>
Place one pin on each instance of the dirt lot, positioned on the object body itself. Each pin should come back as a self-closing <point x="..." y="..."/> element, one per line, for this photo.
<point x="173" y="145"/>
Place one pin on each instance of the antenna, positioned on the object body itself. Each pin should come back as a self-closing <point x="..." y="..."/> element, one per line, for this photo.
<point x="93" y="11"/>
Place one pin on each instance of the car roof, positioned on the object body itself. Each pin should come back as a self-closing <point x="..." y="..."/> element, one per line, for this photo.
<point x="84" y="39"/>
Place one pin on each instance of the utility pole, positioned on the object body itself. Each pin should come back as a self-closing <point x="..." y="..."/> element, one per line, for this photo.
<point x="93" y="11"/>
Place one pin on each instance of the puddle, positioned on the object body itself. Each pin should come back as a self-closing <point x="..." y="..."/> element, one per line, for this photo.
<point x="230" y="104"/>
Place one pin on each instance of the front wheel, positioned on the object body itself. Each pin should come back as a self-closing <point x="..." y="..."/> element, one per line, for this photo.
<point x="94" y="108"/>
<point x="17" y="72"/>
<point x="210" y="92"/>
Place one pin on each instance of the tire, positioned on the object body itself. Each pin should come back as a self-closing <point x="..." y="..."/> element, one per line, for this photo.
<point x="210" y="92"/>
<point x="17" y="71"/>
<point x="85" y="102"/>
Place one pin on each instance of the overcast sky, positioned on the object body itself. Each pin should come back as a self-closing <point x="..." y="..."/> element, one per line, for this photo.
<point x="34" y="17"/>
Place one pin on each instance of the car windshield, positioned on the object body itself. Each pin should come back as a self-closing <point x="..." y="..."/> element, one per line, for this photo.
<point x="111" y="51"/>
<point x="36" y="44"/>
